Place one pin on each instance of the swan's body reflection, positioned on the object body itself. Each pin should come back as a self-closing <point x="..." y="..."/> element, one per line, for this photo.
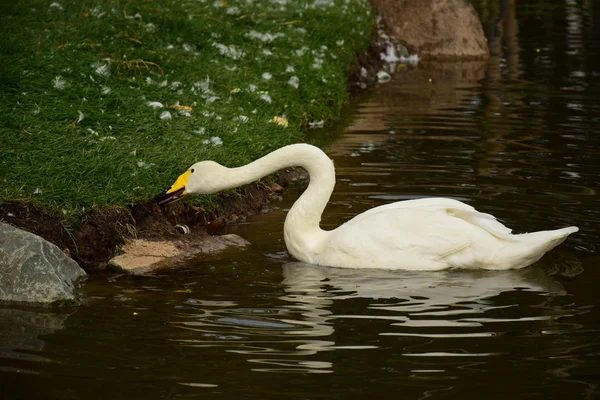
<point x="447" y="298"/>
<point x="441" y="288"/>
<point x="293" y="337"/>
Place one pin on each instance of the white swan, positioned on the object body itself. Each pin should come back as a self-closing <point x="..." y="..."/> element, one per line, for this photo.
<point x="424" y="234"/>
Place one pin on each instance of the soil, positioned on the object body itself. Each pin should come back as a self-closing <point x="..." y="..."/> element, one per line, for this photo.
<point x="102" y="232"/>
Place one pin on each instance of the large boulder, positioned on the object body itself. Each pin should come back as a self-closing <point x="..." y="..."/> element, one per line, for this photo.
<point x="435" y="29"/>
<point x="33" y="270"/>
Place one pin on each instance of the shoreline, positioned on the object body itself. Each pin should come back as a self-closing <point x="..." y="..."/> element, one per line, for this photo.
<point x="103" y="231"/>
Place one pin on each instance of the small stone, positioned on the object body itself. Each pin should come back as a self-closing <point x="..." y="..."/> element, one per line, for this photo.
<point x="144" y="256"/>
<point x="383" y="77"/>
<point x="182" y="229"/>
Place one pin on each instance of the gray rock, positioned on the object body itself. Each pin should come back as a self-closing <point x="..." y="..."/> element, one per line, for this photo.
<point x="33" y="270"/>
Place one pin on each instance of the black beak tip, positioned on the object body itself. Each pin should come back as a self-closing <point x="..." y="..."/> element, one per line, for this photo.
<point x="167" y="198"/>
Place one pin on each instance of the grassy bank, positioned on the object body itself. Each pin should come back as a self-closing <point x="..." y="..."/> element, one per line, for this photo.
<point x="106" y="102"/>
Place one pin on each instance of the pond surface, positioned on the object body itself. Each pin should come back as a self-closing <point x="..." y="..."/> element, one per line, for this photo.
<point x="516" y="137"/>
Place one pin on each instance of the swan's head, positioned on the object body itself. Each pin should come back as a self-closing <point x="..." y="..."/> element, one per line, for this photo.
<point x="204" y="177"/>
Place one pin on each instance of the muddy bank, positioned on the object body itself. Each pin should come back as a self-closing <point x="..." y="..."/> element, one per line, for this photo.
<point x="102" y="232"/>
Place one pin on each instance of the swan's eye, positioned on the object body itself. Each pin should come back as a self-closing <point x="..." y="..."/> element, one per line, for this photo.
<point x="192" y="170"/>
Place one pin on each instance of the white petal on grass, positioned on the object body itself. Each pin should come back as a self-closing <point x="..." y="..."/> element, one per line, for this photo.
<point x="101" y="69"/>
<point x="97" y="12"/>
<point x="300" y="52"/>
<point x="266" y="98"/>
<point x="150" y="27"/>
<point x="339" y="42"/>
<point x="59" y="83"/>
<point x="212" y="99"/>
<point x="203" y="85"/>
<point x="290" y="69"/>
<point x="136" y="16"/>
<point x="294" y="81"/>
<point x="105" y="89"/>
<point x="215" y="141"/>
<point x="166" y="116"/>
<point x="80" y="116"/>
<point x="155" y="104"/>
<point x="38" y="191"/>
<point x="252" y="88"/>
<point x="57" y="6"/>
<point x="266" y="76"/>
<point x="188" y="47"/>
<point x="143" y="164"/>
<point x="163" y="83"/>
<point x="230" y="51"/>
<point x="243" y="118"/>
<point x="200" y="131"/>
<point x="317" y="63"/>
<point x="316" y="124"/>
<point x="267" y="52"/>
<point x="149" y="81"/>
<point x="170" y="47"/>
<point x="265" y="37"/>
<point x="185" y="113"/>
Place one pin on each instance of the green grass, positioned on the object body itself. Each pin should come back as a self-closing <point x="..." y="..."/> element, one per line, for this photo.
<point x="105" y="60"/>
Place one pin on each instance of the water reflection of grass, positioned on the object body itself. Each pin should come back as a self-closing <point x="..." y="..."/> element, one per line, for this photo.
<point x="105" y="102"/>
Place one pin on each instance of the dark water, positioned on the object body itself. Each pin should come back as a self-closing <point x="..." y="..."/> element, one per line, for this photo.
<point x="517" y="137"/>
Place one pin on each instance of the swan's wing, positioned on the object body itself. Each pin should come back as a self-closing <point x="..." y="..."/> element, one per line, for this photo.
<point x="453" y="207"/>
<point x="485" y="221"/>
<point x="407" y="238"/>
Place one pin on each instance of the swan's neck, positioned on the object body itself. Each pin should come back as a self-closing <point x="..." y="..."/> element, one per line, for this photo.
<point x="302" y="233"/>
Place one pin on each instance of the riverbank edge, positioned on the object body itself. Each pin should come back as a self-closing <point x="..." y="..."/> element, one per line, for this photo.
<point x="102" y="232"/>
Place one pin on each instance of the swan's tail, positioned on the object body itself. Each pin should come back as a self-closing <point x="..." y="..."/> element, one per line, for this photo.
<point x="527" y="248"/>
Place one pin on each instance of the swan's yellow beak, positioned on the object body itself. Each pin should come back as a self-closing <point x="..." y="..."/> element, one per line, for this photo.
<point x="176" y="191"/>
